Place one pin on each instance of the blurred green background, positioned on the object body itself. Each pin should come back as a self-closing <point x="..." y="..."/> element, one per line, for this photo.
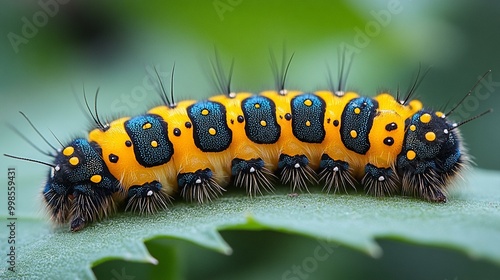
<point x="49" y="49"/>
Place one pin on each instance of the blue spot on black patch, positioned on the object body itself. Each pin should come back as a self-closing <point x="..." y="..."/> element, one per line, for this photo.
<point x="147" y="154"/>
<point x="266" y="111"/>
<point x="308" y="113"/>
<point x="361" y="123"/>
<point x="214" y="120"/>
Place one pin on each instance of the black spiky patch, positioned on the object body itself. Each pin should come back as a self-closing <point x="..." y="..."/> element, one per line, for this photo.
<point x="252" y="175"/>
<point x="58" y="206"/>
<point x="335" y="179"/>
<point x="298" y="177"/>
<point x="87" y="209"/>
<point x="255" y="180"/>
<point x="428" y="186"/>
<point x="335" y="175"/>
<point x="380" y="181"/>
<point x="199" y="186"/>
<point x="148" y="198"/>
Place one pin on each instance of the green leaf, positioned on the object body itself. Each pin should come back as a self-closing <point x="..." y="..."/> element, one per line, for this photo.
<point x="469" y="223"/>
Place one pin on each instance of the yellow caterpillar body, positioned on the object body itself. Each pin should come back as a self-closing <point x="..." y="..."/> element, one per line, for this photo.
<point x="195" y="149"/>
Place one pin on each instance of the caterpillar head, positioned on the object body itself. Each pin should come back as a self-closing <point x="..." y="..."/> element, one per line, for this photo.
<point x="432" y="153"/>
<point x="80" y="185"/>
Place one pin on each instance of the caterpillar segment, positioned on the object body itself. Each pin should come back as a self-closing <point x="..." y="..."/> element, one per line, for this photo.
<point x="195" y="149"/>
<point x="252" y="175"/>
<point x="80" y="187"/>
<point x="432" y="155"/>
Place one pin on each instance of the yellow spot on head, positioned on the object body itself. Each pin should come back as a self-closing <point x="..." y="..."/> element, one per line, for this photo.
<point x="74" y="161"/>
<point x="96" y="178"/>
<point x="257" y="105"/>
<point x="413" y="127"/>
<point x="439" y="114"/>
<point x="204" y="112"/>
<point x="212" y="131"/>
<point x="146" y="125"/>
<point x="354" y="133"/>
<point x="308" y="102"/>
<point x="430" y="136"/>
<point x="357" y="111"/>
<point x="411" y="155"/>
<point x="263" y="123"/>
<point x="154" y="144"/>
<point x="415" y="105"/>
<point x="68" y="151"/>
<point x="425" y="118"/>
<point x="308" y="123"/>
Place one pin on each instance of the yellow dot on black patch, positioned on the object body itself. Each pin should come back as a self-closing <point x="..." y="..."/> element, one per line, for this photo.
<point x="68" y="151"/>
<point x="308" y="102"/>
<point x="257" y="105"/>
<point x="411" y="155"/>
<point x="263" y="123"/>
<point x="212" y="131"/>
<point x="308" y="123"/>
<point x="430" y="136"/>
<point x="413" y="127"/>
<point x="354" y="133"/>
<point x="440" y="114"/>
<point x="204" y="112"/>
<point x="154" y="144"/>
<point x="425" y="118"/>
<point x="96" y="179"/>
<point x="357" y="111"/>
<point x="74" y="161"/>
<point x="146" y="125"/>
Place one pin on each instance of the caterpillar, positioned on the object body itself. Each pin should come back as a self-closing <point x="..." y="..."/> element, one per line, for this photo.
<point x="334" y="138"/>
